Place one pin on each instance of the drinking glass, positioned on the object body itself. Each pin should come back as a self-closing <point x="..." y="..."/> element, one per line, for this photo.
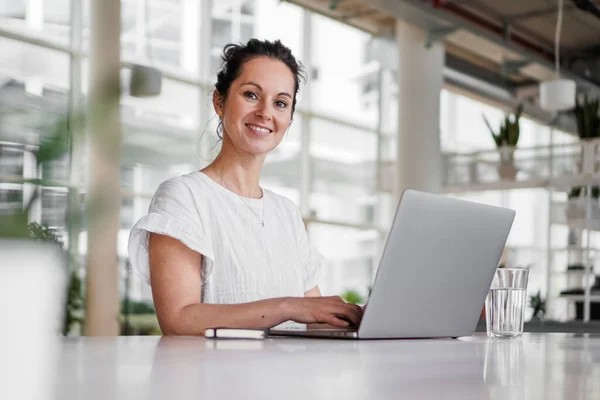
<point x="505" y="303"/>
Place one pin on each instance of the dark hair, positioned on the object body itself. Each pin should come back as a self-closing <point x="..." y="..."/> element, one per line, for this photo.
<point x="236" y="55"/>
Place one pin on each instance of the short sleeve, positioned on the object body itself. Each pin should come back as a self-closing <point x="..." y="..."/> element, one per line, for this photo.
<point x="313" y="263"/>
<point x="172" y="212"/>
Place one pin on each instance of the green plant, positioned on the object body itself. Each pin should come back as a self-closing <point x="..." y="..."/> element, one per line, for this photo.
<point x="43" y="233"/>
<point x="574" y="192"/>
<point x="141" y="324"/>
<point x="578" y="191"/>
<point x="137" y="307"/>
<point x="508" y="134"/>
<point x="56" y="139"/>
<point x="352" y="296"/>
<point x="54" y="143"/>
<point x="75" y="300"/>
<point x="538" y="304"/>
<point x="586" y="115"/>
<point x="52" y="146"/>
<point x="75" y="304"/>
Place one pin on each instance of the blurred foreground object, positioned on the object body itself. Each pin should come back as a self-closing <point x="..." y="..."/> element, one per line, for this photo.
<point x="33" y="283"/>
<point x="74" y="303"/>
<point x="33" y="279"/>
<point x="103" y="181"/>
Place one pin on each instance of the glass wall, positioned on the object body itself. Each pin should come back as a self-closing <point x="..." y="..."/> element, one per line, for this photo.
<point x="334" y="129"/>
<point x="338" y="60"/>
<point x="36" y="18"/>
<point x="336" y="161"/>
<point x="463" y="130"/>
<point x="34" y="89"/>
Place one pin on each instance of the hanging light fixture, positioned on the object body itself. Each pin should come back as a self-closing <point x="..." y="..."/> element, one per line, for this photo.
<point x="145" y="80"/>
<point x="558" y="94"/>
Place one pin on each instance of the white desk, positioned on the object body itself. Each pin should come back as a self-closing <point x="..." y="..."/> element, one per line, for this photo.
<point x="537" y="366"/>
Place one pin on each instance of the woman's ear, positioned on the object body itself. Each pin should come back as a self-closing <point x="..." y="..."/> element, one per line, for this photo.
<point x="218" y="102"/>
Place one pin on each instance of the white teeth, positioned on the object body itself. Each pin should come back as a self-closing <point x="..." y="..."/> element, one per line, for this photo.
<point x="258" y="128"/>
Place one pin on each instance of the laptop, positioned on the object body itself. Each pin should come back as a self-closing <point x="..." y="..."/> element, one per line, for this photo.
<point x="435" y="271"/>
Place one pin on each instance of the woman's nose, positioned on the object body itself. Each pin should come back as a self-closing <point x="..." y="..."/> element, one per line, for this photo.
<point x="264" y="111"/>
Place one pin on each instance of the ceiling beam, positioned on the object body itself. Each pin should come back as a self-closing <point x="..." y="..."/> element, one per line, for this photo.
<point x="358" y="14"/>
<point x="430" y="18"/>
<point x="541" y="12"/>
<point x="370" y="26"/>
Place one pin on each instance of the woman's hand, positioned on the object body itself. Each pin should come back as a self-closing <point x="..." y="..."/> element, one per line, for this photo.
<point x="329" y="310"/>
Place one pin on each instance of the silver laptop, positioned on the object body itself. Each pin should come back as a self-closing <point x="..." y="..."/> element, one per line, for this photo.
<point x="435" y="272"/>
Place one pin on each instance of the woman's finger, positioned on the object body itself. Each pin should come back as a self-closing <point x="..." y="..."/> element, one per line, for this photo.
<point x="335" y="321"/>
<point x="358" y="312"/>
<point x="348" y="313"/>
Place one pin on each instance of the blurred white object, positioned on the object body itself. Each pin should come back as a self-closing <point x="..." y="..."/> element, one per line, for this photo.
<point x="557" y="95"/>
<point x="33" y="279"/>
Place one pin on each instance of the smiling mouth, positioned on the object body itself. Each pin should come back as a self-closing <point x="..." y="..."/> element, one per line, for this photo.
<point x="258" y="129"/>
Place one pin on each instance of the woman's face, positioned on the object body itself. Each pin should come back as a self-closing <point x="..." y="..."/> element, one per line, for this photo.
<point x="258" y="109"/>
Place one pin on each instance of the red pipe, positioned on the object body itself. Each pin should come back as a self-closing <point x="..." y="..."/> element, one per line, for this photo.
<point x="483" y="23"/>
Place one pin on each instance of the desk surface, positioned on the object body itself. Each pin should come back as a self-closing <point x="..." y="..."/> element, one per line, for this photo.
<point x="536" y="366"/>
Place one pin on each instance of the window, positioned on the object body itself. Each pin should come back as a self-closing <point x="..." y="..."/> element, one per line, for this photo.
<point x="350" y="255"/>
<point x="282" y="170"/>
<point x="232" y="22"/>
<point x="174" y="133"/>
<point x="343" y="172"/>
<point x="11" y="198"/>
<point x="47" y="19"/>
<point x="283" y="21"/>
<point x="11" y="160"/>
<point x="54" y="207"/>
<point x="338" y="52"/>
<point x="32" y="69"/>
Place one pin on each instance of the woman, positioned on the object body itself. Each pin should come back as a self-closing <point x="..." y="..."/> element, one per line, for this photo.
<point x="217" y="248"/>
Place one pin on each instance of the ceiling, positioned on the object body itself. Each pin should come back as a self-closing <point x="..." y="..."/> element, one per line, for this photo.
<point x="353" y="12"/>
<point x="509" y="43"/>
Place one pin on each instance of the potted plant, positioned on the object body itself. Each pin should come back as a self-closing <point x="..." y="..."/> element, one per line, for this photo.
<point x="506" y="141"/>
<point x="588" y="129"/>
<point x="29" y="250"/>
<point x="33" y="284"/>
<point x="587" y="118"/>
<point x="577" y="203"/>
<point x="74" y="304"/>
<point x="539" y="306"/>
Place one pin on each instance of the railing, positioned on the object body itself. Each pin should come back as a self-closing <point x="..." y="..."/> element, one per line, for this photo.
<point x="561" y="165"/>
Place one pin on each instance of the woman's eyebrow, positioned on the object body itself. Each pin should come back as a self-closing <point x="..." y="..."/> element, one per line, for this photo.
<point x="260" y="88"/>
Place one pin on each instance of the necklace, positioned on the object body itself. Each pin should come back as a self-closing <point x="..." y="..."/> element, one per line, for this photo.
<point x="261" y="219"/>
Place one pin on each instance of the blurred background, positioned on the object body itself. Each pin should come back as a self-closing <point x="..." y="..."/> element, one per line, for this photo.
<point x="342" y="159"/>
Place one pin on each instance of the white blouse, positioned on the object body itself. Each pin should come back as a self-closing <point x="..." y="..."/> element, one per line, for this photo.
<point x="242" y="260"/>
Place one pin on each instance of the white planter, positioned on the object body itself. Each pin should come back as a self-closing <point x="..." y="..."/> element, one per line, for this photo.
<point x="576" y="209"/>
<point x="33" y="279"/>
<point x="506" y="166"/>
<point x="588" y="156"/>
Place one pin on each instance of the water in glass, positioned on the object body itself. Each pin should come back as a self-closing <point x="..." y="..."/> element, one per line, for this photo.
<point x="504" y="312"/>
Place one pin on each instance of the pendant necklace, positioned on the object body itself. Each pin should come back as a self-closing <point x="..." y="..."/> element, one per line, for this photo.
<point x="262" y="220"/>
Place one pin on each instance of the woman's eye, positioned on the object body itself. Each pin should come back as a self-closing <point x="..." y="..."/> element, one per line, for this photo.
<point x="250" y="95"/>
<point x="281" y="104"/>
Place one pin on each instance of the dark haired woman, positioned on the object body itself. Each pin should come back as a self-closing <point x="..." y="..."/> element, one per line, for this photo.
<point x="217" y="248"/>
